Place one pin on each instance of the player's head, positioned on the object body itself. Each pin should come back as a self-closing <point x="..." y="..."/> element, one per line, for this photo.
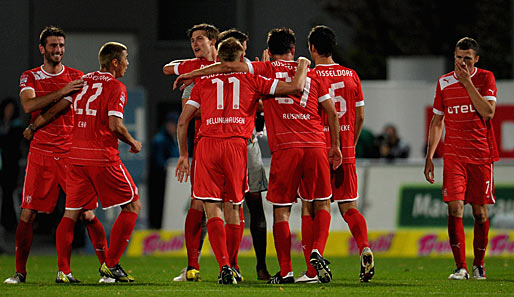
<point x="240" y="36"/>
<point x="203" y="39"/>
<point x="466" y="52"/>
<point x="230" y="50"/>
<point x="51" y="44"/>
<point x="323" y="39"/>
<point x="281" y="41"/>
<point x="113" y="57"/>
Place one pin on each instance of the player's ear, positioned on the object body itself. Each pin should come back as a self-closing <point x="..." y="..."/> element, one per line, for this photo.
<point x="41" y="49"/>
<point x="293" y="48"/>
<point x="115" y="63"/>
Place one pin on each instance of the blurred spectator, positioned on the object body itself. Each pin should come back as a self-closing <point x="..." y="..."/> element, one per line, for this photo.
<point x="164" y="146"/>
<point x="366" y="145"/>
<point x="390" y="145"/>
<point x="11" y="136"/>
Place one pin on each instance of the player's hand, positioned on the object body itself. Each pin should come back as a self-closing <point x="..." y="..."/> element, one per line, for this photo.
<point x="266" y="56"/>
<point x="462" y="72"/>
<point x="28" y="134"/>
<point x="73" y="86"/>
<point x="303" y="60"/>
<point x="136" y="147"/>
<point x="429" y="170"/>
<point x="182" y="81"/>
<point x="335" y="158"/>
<point x="182" y="169"/>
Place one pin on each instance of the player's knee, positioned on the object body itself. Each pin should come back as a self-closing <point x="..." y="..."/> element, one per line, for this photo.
<point x="133" y="206"/>
<point x="87" y="216"/>
<point x="480" y="216"/>
<point x="28" y="215"/>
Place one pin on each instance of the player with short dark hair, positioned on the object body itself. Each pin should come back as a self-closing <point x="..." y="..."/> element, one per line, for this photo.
<point x="346" y="92"/>
<point x="221" y="156"/>
<point x="40" y="89"/>
<point x="464" y="105"/>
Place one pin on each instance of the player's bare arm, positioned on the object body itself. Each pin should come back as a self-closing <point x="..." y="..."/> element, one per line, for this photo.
<point x="435" y="132"/>
<point x="359" y="122"/>
<point x="295" y="86"/>
<point x="118" y="128"/>
<point x="484" y="107"/>
<point x="31" y="103"/>
<point x="182" y="169"/>
<point x="44" y="118"/>
<point x="334" y="155"/>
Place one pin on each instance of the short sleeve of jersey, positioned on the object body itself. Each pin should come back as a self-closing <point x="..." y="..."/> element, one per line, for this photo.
<point x="117" y="100"/>
<point x="264" y="85"/>
<point x="27" y="81"/>
<point x="438" y="100"/>
<point x="261" y="68"/>
<point x="489" y="90"/>
<point x="359" y="96"/>
<point x="323" y="90"/>
<point x="186" y="66"/>
<point x="194" y="99"/>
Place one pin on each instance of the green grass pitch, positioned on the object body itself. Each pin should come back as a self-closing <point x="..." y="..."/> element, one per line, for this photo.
<point x="393" y="277"/>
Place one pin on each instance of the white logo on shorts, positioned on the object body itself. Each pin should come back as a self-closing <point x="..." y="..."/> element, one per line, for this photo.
<point x="28" y="199"/>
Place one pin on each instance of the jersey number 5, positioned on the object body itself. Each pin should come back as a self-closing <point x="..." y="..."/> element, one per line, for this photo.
<point x="338" y="99"/>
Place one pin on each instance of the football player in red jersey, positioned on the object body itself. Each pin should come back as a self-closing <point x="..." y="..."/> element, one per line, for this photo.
<point x="40" y="88"/>
<point x="227" y="123"/>
<point x="346" y="91"/>
<point x="203" y="43"/>
<point x="464" y="104"/>
<point x="95" y="169"/>
<point x="297" y="143"/>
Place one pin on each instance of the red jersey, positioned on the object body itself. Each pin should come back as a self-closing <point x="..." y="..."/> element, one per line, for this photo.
<point x="293" y="121"/>
<point x="228" y="103"/>
<point x="93" y="141"/>
<point x="346" y="91"/>
<point x="469" y="138"/>
<point x="186" y="66"/>
<point x="55" y="137"/>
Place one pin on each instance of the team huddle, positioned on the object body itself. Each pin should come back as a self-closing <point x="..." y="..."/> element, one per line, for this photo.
<point x="313" y="118"/>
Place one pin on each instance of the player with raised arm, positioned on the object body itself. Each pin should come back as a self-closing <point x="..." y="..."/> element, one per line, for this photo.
<point x="95" y="168"/>
<point x="464" y="104"/>
<point x="297" y="143"/>
<point x="346" y="91"/>
<point x="203" y="43"/>
<point x="221" y="161"/>
<point x="40" y="88"/>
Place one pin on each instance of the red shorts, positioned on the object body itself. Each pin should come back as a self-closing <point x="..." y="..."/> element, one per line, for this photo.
<point x="43" y="175"/>
<point x="344" y="183"/>
<point x="112" y="184"/>
<point x="471" y="183"/>
<point x="220" y="170"/>
<point x="299" y="171"/>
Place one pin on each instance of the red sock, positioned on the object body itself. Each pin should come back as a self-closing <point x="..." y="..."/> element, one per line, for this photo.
<point x="63" y="243"/>
<point x="120" y="235"/>
<point x="233" y="234"/>
<point x="218" y="240"/>
<point x="457" y="241"/>
<point x="307" y="244"/>
<point x="322" y="223"/>
<point x="24" y="235"/>
<point x="480" y="240"/>
<point x="358" y="228"/>
<point x="193" y="234"/>
<point x="98" y="239"/>
<point x="282" y="237"/>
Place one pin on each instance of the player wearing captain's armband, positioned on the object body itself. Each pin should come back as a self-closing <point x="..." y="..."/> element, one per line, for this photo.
<point x="464" y="105"/>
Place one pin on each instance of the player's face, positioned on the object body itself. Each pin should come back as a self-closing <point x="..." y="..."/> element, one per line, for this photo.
<point x="53" y="51"/>
<point x="200" y="44"/>
<point x="466" y="57"/>
<point x="122" y="64"/>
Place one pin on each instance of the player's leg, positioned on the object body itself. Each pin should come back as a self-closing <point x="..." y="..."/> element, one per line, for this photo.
<point x="193" y="238"/>
<point x="282" y="238"/>
<point x="310" y="276"/>
<point x="258" y="183"/>
<point x="321" y="227"/>
<point x="96" y="233"/>
<point x="63" y="244"/>
<point x="233" y="235"/>
<point x="480" y="239"/>
<point x="454" y="192"/>
<point x="218" y="240"/>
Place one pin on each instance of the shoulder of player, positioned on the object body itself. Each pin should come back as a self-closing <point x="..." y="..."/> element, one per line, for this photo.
<point x="73" y="71"/>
